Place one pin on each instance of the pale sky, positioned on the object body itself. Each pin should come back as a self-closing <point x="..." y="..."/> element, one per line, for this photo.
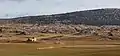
<point x="16" y="8"/>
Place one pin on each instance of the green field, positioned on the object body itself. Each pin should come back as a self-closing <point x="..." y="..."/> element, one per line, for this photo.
<point x="81" y="50"/>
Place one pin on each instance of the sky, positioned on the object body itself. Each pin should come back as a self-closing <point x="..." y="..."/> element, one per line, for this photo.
<point x="17" y="8"/>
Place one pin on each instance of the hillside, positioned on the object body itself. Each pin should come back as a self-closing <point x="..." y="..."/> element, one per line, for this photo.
<point x="106" y="16"/>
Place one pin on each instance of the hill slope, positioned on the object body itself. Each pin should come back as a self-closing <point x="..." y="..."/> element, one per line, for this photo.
<point x="107" y="16"/>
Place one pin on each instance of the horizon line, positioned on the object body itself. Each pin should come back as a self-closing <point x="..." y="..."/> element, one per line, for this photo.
<point x="58" y="13"/>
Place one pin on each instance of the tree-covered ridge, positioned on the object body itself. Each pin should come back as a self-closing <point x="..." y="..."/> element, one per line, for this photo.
<point x="108" y="16"/>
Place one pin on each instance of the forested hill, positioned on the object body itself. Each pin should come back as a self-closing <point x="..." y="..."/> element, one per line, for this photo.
<point x="108" y="16"/>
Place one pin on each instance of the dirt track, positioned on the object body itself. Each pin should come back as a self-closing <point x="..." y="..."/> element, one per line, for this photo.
<point x="86" y="46"/>
<point x="94" y="46"/>
<point x="69" y="46"/>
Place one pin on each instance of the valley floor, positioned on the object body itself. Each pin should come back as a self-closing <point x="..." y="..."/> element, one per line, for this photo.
<point x="89" y="48"/>
<point x="59" y="40"/>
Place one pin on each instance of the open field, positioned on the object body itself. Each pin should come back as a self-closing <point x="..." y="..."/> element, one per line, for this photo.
<point x="100" y="49"/>
<point x="66" y="40"/>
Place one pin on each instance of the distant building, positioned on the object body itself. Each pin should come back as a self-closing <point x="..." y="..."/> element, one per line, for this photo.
<point x="34" y="39"/>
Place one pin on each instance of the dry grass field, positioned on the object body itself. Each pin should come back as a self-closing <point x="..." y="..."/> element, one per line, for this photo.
<point x="13" y="42"/>
<point x="89" y="48"/>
